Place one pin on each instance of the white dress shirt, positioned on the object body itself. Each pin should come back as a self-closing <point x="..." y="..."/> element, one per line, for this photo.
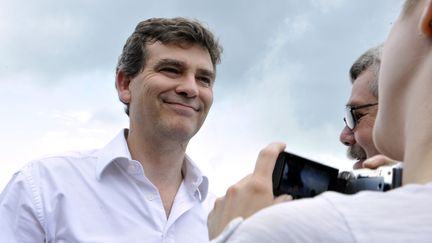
<point x="398" y="216"/>
<point x="100" y="196"/>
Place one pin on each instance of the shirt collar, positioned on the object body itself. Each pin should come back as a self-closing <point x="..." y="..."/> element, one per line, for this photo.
<point x="117" y="150"/>
<point x="194" y="180"/>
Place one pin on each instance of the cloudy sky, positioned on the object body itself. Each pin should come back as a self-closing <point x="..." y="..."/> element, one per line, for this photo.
<point x="283" y="76"/>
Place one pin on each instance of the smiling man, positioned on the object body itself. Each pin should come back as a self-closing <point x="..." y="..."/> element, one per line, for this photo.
<point x="141" y="187"/>
<point x="362" y="107"/>
<point x="361" y="112"/>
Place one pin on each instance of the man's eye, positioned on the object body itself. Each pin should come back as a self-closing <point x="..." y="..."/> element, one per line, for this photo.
<point x="358" y="115"/>
<point x="205" y="80"/>
<point x="170" y="70"/>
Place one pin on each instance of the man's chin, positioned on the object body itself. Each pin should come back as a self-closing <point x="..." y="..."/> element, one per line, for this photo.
<point x="358" y="153"/>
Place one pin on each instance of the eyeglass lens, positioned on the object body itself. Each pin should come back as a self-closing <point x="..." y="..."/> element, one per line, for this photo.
<point x="350" y="118"/>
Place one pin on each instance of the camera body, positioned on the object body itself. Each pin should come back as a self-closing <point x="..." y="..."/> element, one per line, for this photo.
<point x="303" y="178"/>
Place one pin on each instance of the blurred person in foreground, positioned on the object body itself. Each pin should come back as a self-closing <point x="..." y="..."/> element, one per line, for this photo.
<point x="141" y="187"/>
<point x="403" y="131"/>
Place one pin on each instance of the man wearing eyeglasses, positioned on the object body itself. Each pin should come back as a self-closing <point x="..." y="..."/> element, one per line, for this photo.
<point x="361" y="111"/>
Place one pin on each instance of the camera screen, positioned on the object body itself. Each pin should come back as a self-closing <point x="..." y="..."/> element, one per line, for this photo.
<point x="301" y="177"/>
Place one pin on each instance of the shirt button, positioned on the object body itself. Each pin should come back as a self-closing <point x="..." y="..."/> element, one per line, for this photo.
<point x="151" y="197"/>
<point x="131" y="169"/>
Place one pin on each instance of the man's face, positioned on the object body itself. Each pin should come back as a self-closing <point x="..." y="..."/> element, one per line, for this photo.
<point x="171" y="97"/>
<point x="359" y="140"/>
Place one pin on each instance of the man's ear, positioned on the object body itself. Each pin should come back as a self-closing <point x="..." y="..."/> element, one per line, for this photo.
<point x="122" y="86"/>
<point x="426" y="19"/>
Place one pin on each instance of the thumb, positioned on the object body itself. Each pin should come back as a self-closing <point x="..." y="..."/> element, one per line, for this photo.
<point x="377" y="161"/>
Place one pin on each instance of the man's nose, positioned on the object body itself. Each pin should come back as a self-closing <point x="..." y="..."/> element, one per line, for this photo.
<point x="188" y="86"/>
<point x="347" y="136"/>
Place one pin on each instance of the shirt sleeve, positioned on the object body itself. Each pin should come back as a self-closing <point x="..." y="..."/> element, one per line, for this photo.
<point x="20" y="220"/>
<point x="305" y="220"/>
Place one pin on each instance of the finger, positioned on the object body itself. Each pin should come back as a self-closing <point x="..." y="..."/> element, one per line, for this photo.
<point x="267" y="159"/>
<point x="358" y="165"/>
<point x="377" y="161"/>
<point x="283" y="198"/>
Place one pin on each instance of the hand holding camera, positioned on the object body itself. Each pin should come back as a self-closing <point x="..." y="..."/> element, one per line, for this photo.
<point x="279" y="177"/>
<point x="249" y="195"/>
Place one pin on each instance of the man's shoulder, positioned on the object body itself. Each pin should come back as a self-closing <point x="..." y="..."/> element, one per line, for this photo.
<point x="61" y="165"/>
<point x="62" y="160"/>
<point x="393" y="198"/>
<point x="394" y="209"/>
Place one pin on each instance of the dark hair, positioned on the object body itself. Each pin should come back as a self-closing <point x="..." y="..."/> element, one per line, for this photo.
<point x="178" y="31"/>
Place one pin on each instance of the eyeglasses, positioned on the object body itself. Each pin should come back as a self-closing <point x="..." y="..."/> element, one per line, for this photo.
<point x="351" y="117"/>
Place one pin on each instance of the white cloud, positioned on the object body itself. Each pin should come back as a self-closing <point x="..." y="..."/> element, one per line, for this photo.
<point x="295" y="27"/>
<point x="70" y="118"/>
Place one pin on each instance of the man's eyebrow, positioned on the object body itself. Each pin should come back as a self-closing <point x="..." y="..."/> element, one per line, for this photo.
<point x="351" y="105"/>
<point x="177" y="63"/>
<point x="353" y="102"/>
<point x="168" y="61"/>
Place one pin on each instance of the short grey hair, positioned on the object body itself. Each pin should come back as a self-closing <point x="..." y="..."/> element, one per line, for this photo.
<point x="370" y="59"/>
